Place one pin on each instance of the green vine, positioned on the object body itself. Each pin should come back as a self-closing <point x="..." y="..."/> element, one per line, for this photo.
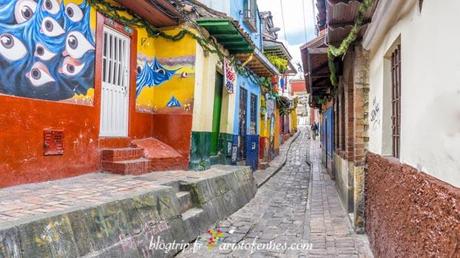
<point x="116" y="13"/>
<point x="334" y="52"/>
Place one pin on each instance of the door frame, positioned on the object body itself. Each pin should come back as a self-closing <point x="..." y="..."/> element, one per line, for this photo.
<point x="102" y="21"/>
<point x="242" y="150"/>
<point x="216" y="122"/>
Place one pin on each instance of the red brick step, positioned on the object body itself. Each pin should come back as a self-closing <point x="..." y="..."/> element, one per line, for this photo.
<point x="127" y="167"/>
<point x="120" y="154"/>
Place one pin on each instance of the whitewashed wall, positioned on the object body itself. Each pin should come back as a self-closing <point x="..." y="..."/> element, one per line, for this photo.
<point x="430" y="126"/>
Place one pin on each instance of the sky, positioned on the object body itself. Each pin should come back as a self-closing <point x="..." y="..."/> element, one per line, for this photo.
<point x="299" y="26"/>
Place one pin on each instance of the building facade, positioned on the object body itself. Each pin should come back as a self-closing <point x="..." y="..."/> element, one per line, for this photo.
<point x="395" y="170"/>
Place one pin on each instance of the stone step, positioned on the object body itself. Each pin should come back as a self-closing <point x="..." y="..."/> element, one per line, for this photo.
<point x="120" y="154"/>
<point x="185" y="201"/>
<point x="127" y="167"/>
<point x="192" y="215"/>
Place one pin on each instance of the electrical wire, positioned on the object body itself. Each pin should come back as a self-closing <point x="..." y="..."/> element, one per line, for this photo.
<point x="282" y="19"/>
<point x="304" y="20"/>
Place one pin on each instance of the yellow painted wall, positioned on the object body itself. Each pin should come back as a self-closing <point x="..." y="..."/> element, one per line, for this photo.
<point x="264" y="122"/>
<point x="205" y="79"/>
<point x="180" y="56"/>
<point x="293" y="121"/>
<point x="277" y="129"/>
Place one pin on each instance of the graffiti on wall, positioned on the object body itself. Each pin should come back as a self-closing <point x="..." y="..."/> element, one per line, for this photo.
<point x="152" y="74"/>
<point x="46" y="50"/>
<point x="163" y="84"/>
<point x="375" y="114"/>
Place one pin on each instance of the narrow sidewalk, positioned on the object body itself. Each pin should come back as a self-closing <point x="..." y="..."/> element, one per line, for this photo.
<point x="330" y="230"/>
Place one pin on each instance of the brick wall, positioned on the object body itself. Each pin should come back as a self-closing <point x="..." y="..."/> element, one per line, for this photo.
<point x="410" y="213"/>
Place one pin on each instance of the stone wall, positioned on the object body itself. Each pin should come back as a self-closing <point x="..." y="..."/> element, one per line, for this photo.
<point x="410" y="213"/>
<point x="125" y="226"/>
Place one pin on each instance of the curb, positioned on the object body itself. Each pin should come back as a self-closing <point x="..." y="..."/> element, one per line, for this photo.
<point x="294" y="138"/>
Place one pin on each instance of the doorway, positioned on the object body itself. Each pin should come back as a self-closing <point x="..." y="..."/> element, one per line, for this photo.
<point x="115" y="84"/>
<point x="216" y="115"/>
<point x="242" y="123"/>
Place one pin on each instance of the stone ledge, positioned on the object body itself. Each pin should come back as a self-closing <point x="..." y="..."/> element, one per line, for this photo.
<point x="124" y="225"/>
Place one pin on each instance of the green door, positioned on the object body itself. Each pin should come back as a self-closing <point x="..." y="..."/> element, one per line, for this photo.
<point x="216" y="113"/>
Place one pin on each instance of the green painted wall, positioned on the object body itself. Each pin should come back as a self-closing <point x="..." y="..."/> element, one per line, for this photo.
<point x="201" y="157"/>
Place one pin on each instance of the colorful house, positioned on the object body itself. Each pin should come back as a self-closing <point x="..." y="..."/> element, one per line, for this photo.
<point x="233" y="134"/>
<point x="77" y="80"/>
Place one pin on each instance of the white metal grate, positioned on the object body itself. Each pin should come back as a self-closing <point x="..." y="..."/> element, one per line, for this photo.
<point x="115" y="84"/>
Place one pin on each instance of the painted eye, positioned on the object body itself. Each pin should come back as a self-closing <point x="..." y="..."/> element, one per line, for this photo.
<point x="43" y="53"/>
<point x="51" y="28"/>
<point x="139" y="69"/>
<point x="77" y="45"/>
<point x="74" y="12"/>
<point x="39" y="75"/>
<point x="161" y="71"/>
<point x="52" y="6"/>
<point x="11" y="47"/>
<point x="71" y="67"/>
<point x="24" y="10"/>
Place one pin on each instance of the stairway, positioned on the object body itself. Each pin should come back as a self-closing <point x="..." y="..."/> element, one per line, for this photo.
<point x="190" y="213"/>
<point x="135" y="157"/>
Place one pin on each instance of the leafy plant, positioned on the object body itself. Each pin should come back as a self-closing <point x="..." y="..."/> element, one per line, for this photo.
<point x="280" y="63"/>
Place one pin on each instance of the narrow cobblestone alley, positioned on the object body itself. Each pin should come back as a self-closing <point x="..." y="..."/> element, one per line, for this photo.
<point x="282" y="212"/>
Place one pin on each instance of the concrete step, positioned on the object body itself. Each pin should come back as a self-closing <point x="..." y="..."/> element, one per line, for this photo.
<point x="192" y="214"/>
<point x="185" y="201"/>
<point x="127" y="167"/>
<point x="120" y="154"/>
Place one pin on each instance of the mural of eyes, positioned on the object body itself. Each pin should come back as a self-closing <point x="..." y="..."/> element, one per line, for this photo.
<point x="51" y="28"/>
<point x="76" y="45"/>
<point x="11" y="47"/>
<point x="43" y="53"/>
<point x="24" y="10"/>
<point x="52" y="6"/>
<point x="74" y="12"/>
<point x="39" y="75"/>
<point x="71" y="66"/>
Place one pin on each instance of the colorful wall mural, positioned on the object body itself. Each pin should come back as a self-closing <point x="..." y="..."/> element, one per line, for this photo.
<point x="47" y="50"/>
<point x="165" y="74"/>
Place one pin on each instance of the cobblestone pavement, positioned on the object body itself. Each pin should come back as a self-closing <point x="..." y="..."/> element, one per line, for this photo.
<point x="297" y="205"/>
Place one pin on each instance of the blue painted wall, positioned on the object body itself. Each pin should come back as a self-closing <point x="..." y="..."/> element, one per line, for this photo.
<point x="236" y="11"/>
<point x="252" y="140"/>
<point x="327" y="132"/>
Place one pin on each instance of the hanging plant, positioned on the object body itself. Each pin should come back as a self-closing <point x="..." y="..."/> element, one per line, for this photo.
<point x="280" y="63"/>
<point x="334" y="52"/>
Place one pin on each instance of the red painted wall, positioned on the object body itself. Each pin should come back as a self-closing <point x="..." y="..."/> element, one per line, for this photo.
<point x="175" y="130"/>
<point x="21" y="140"/>
<point x="23" y="120"/>
<point x="410" y="213"/>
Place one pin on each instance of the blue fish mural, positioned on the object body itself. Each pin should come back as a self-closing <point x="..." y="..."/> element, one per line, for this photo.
<point x="173" y="102"/>
<point x="46" y="49"/>
<point x="152" y="74"/>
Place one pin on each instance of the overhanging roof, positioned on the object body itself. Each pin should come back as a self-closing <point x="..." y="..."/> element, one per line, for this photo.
<point x="159" y="13"/>
<point x="259" y="64"/>
<point x="316" y="69"/>
<point x="228" y="33"/>
<point x="341" y="15"/>
<point x="277" y="48"/>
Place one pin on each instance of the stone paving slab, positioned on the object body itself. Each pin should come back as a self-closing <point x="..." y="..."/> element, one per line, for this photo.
<point x="298" y="205"/>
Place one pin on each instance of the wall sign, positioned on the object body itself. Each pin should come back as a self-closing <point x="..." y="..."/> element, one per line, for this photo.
<point x="229" y="76"/>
